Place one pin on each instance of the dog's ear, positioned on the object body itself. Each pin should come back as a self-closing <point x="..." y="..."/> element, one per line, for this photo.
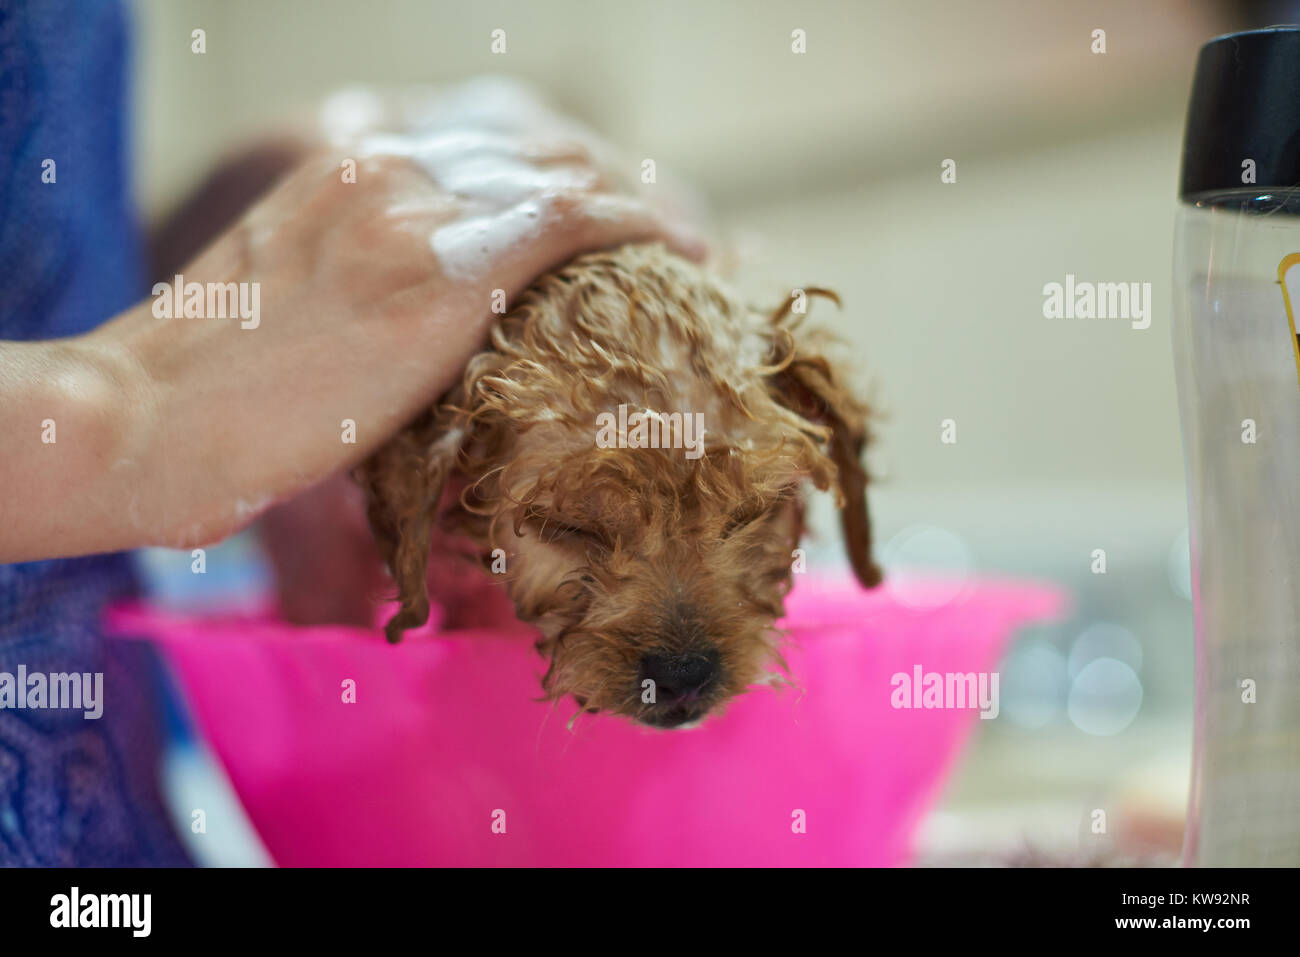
<point x="807" y="384"/>
<point x="403" y="482"/>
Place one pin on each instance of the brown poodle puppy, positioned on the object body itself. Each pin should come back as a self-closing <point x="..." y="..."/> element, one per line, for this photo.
<point x="628" y="459"/>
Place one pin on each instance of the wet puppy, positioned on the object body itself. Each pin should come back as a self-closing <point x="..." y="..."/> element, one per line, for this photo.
<point x="628" y="459"/>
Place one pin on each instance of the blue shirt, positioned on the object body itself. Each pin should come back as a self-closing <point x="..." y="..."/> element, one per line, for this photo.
<point x="73" y="791"/>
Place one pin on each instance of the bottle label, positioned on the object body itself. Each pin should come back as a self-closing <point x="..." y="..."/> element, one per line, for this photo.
<point x="1288" y="277"/>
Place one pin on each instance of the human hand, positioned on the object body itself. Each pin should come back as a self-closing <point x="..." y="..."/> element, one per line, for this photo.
<point x="371" y="297"/>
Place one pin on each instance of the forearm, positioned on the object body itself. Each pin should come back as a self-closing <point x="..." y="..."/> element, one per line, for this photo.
<point x="75" y="418"/>
<point x="149" y="431"/>
<point x="371" y="295"/>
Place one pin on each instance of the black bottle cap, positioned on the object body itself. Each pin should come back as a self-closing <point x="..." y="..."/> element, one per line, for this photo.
<point x="1245" y="106"/>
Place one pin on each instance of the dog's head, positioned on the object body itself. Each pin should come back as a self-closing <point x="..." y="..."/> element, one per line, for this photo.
<point x="630" y="457"/>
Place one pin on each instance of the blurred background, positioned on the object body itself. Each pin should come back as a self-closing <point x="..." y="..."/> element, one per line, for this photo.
<point x="824" y="168"/>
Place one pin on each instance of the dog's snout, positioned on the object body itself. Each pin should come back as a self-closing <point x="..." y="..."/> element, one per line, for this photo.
<point x="679" y="678"/>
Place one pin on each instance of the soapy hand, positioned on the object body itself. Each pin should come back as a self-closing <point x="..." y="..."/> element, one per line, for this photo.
<point x="377" y="264"/>
<point x="510" y="167"/>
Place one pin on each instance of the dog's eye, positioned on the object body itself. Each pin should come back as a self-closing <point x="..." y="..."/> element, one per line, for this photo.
<point x="564" y="533"/>
<point x="756" y="513"/>
<point x="553" y="528"/>
<point x="744" y="519"/>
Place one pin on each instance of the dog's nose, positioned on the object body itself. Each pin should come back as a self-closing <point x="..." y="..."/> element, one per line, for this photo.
<point x="679" y="678"/>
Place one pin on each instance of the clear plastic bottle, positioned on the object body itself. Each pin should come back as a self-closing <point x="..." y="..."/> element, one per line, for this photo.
<point x="1237" y="359"/>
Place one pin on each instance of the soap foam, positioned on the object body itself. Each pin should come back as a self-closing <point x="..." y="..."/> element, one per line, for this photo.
<point x="478" y="166"/>
<point x="465" y="249"/>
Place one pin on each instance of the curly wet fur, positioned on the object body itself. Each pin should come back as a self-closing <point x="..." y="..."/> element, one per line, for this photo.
<point x="614" y="553"/>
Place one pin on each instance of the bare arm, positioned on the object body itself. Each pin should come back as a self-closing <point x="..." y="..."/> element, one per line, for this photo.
<point x="373" y="295"/>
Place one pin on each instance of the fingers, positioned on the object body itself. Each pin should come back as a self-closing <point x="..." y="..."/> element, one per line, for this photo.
<point x="539" y="234"/>
<point x="576" y="222"/>
<point x="563" y="181"/>
<point x="560" y="150"/>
